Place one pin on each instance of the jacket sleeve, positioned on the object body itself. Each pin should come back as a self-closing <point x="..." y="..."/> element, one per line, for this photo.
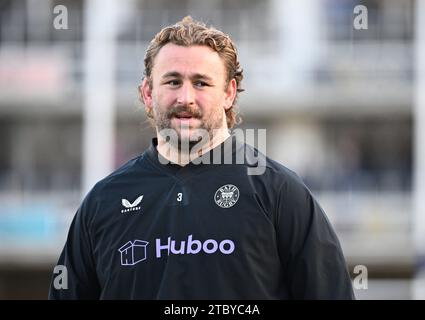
<point x="75" y="276"/>
<point x="311" y="255"/>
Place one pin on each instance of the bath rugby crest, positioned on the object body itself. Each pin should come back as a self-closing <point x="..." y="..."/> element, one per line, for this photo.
<point x="226" y="196"/>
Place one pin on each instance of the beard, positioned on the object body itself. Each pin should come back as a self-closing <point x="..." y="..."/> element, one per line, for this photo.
<point x="185" y="133"/>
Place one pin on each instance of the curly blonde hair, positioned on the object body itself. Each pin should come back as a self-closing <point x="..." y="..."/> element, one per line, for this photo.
<point x="188" y="32"/>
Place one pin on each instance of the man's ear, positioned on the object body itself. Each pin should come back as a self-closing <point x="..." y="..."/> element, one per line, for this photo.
<point x="231" y="91"/>
<point x="145" y="92"/>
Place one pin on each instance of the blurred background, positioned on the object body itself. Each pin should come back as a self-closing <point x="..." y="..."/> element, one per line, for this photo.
<point x="340" y="105"/>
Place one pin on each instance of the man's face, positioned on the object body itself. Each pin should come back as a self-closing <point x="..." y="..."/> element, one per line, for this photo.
<point x="189" y="91"/>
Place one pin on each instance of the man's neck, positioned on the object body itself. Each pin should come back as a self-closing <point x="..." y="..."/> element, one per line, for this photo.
<point x="174" y="155"/>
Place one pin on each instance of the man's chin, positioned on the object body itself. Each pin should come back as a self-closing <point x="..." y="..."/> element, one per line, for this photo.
<point x="185" y="123"/>
<point x="183" y="138"/>
<point x="192" y="133"/>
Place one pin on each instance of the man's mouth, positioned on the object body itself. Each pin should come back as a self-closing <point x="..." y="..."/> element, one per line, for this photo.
<point x="184" y="115"/>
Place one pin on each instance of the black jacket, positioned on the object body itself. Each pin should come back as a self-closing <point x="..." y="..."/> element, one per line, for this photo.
<point x="203" y="231"/>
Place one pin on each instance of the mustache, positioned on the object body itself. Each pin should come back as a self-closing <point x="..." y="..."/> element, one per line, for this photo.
<point x="173" y="112"/>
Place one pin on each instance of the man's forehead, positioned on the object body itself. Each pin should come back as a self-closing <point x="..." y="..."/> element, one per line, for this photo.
<point x="189" y="61"/>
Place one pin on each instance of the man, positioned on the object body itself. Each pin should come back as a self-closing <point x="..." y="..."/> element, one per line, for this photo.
<point x="167" y="226"/>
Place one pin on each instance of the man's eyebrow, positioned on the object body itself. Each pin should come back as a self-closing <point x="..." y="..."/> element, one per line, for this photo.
<point x="201" y="76"/>
<point x="194" y="76"/>
<point x="171" y="74"/>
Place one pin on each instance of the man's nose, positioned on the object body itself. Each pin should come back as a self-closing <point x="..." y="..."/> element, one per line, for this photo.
<point x="186" y="94"/>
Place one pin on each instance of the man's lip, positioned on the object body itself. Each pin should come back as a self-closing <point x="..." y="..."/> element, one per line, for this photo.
<point x="183" y="115"/>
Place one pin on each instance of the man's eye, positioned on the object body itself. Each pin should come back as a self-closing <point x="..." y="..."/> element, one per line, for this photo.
<point x="173" y="83"/>
<point x="201" y="84"/>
